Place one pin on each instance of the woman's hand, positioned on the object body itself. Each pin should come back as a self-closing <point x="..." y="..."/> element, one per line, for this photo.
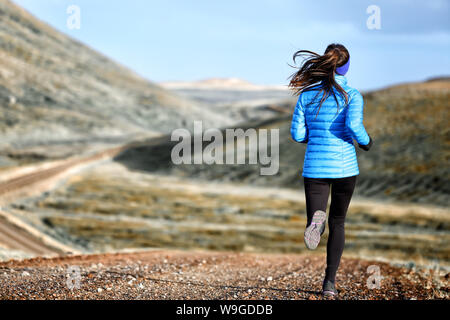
<point x="367" y="146"/>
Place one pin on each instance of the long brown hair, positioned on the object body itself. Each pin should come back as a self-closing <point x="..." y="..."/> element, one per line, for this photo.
<point x="317" y="71"/>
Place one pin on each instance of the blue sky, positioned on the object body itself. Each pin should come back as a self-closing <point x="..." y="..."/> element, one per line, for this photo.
<point x="167" y="40"/>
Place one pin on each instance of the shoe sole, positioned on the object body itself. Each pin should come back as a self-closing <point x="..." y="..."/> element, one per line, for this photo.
<point x="313" y="231"/>
<point x="329" y="293"/>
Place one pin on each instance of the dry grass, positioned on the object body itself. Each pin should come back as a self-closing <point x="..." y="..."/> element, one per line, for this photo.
<point x="112" y="208"/>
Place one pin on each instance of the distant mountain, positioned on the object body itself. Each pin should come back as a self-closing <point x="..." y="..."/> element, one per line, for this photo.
<point x="235" y="98"/>
<point x="54" y="88"/>
<point x="439" y="79"/>
<point x="408" y="161"/>
<point x="220" y="84"/>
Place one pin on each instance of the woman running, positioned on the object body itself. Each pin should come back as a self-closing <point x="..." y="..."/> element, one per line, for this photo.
<point x="327" y="117"/>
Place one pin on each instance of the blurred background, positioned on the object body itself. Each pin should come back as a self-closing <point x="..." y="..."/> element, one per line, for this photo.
<point x="91" y="90"/>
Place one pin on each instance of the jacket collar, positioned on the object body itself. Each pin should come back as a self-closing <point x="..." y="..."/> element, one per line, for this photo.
<point x="342" y="80"/>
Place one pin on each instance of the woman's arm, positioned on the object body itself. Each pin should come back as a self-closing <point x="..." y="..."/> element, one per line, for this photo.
<point x="299" y="130"/>
<point x="354" y="121"/>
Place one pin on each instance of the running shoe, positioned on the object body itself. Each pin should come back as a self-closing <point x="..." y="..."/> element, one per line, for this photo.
<point x="328" y="288"/>
<point x="315" y="230"/>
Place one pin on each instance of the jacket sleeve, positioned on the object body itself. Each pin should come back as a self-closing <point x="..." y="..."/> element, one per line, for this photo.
<point x="354" y="120"/>
<point x="299" y="130"/>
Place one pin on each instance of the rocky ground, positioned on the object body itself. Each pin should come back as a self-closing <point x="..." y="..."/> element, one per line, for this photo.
<point x="209" y="275"/>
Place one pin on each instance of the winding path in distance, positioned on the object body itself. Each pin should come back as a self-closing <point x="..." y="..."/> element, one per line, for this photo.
<point x="17" y="235"/>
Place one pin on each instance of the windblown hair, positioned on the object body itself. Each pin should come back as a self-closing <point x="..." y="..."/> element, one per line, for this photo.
<point x="317" y="71"/>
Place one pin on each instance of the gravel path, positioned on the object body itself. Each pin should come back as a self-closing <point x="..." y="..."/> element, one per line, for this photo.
<point x="171" y="274"/>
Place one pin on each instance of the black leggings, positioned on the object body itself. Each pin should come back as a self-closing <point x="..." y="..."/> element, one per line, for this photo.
<point x="317" y="191"/>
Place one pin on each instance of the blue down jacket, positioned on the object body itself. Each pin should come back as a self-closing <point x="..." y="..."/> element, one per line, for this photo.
<point x="330" y="152"/>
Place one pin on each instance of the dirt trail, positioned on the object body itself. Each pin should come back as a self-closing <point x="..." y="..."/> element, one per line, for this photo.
<point x="16" y="238"/>
<point x="16" y="235"/>
<point x="33" y="177"/>
<point x="174" y="274"/>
